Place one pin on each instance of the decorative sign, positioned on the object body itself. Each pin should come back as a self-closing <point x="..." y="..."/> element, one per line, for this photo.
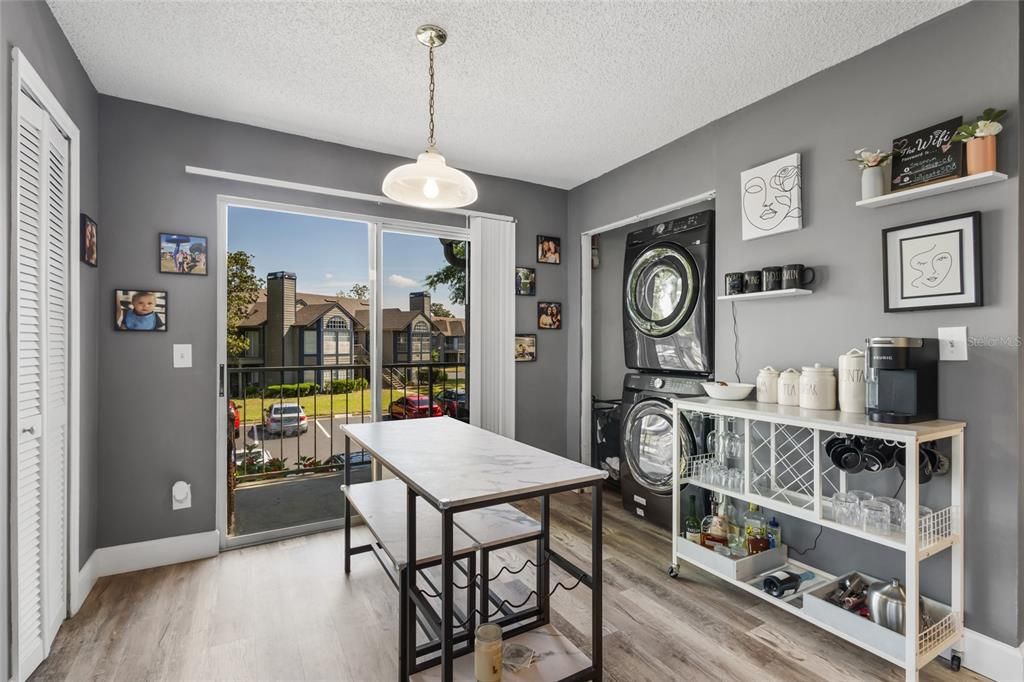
<point x="927" y="156"/>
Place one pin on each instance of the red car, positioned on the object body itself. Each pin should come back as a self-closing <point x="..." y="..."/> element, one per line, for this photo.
<point x="414" y="407"/>
<point x="234" y="416"/>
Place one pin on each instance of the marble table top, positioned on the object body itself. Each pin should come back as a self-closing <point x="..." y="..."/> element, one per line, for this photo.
<point x="497" y="525"/>
<point x="453" y="464"/>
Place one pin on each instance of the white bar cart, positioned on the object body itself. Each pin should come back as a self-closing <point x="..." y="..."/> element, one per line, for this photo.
<point x="786" y="470"/>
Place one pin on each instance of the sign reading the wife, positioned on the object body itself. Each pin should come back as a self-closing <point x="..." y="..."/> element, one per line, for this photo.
<point x="927" y="156"/>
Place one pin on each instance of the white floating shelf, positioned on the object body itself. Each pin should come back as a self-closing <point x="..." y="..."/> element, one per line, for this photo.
<point x="953" y="185"/>
<point x="779" y="293"/>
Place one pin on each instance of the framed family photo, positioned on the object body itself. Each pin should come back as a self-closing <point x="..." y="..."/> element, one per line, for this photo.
<point x="182" y="254"/>
<point x="87" y="242"/>
<point x="140" y="311"/>
<point x="526" y="347"/>
<point x="933" y="264"/>
<point x="526" y="281"/>
<point x="549" y="315"/>
<point x="549" y="250"/>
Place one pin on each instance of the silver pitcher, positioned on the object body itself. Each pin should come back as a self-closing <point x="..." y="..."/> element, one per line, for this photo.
<point x="887" y="605"/>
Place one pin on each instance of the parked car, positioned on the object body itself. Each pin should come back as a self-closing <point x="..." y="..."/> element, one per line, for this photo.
<point x="453" y="403"/>
<point x="285" y="419"/>
<point x="234" y="417"/>
<point x="414" y="407"/>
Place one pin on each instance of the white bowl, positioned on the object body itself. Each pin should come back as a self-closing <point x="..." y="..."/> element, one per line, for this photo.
<point x="728" y="392"/>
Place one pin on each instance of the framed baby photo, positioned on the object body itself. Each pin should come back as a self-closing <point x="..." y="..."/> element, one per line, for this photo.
<point x="87" y="243"/>
<point x="933" y="264"/>
<point x="182" y="254"/>
<point x="526" y="347"/>
<point x="549" y="315"/>
<point x="136" y="310"/>
<point x="526" y="281"/>
<point x="549" y="250"/>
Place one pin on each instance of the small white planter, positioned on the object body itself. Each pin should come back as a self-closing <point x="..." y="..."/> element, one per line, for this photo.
<point x="872" y="182"/>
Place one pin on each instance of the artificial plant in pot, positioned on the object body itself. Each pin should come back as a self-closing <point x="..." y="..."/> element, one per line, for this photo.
<point x="872" y="175"/>
<point x="980" y="138"/>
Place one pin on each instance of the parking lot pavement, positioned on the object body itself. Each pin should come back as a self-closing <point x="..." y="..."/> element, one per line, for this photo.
<point x="316" y="442"/>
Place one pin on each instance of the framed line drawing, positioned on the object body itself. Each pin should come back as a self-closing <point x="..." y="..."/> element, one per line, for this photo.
<point x="933" y="264"/>
<point x="770" y="198"/>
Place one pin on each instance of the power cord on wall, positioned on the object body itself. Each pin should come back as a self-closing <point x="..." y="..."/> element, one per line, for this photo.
<point x="735" y="342"/>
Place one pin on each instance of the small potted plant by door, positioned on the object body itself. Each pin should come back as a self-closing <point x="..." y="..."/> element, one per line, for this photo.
<point x="872" y="171"/>
<point x="980" y="138"/>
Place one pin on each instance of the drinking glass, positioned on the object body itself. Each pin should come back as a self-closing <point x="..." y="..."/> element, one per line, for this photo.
<point x="735" y="479"/>
<point x="861" y="495"/>
<point x="876" y="516"/>
<point x="897" y="514"/>
<point x="846" y="509"/>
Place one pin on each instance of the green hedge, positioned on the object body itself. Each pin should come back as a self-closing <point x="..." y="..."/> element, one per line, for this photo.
<point x="424" y="375"/>
<point x="349" y="385"/>
<point x="291" y="390"/>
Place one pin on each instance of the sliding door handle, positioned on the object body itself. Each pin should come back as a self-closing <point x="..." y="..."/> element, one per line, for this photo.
<point x="220" y="381"/>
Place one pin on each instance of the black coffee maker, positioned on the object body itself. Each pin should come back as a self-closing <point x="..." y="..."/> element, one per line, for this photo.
<point x="902" y="377"/>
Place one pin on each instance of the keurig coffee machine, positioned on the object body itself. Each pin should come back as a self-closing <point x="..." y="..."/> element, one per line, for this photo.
<point x="902" y="377"/>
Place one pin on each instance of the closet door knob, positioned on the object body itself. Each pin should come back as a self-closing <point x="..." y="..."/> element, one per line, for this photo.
<point x="29" y="429"/>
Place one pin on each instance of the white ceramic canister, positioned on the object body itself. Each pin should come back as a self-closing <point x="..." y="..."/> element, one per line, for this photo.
<point x="768" y="385"/>
<point x="851" y="381"/>
<point x="789" y="387"/>
<point x="818" y="388"/>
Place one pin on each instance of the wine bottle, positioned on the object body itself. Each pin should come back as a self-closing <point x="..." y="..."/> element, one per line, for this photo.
<point x="778" y="583"/>
<point x="692" y="522"/>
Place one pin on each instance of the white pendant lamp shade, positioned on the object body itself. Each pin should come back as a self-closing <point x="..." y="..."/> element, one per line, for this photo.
<point x="430" y="183"/>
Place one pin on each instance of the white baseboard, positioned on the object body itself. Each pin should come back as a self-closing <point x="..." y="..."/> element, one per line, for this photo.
<point x="152" y="553"/>
<point x="83" y="583"/>
<point x="991" y="658"/>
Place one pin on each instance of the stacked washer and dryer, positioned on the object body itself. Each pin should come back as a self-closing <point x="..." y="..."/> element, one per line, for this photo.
<point x="668" y="327"/>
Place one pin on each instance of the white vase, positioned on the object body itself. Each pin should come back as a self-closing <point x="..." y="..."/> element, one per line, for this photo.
<point x="872" y="182"/>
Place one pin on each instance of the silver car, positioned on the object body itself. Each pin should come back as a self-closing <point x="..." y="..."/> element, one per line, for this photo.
<point x="285" y="419"/>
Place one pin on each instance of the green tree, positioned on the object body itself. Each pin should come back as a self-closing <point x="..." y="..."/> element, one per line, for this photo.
<point x="438" y="310"/>
<point x="243" y="290"/>
<point x="358" y="291"/>
<point x="452" y="276"/>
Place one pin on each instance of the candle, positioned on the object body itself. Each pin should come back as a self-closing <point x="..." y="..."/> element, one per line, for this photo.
<point x="487" y="653"/>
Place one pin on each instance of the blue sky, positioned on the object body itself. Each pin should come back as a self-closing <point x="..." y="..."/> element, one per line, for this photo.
<point x="329" y="255"/>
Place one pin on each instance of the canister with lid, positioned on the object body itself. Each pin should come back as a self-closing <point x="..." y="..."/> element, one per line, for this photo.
<point x="818" y="388"/>
<point x="789" y="387"/>
<point x="851" y="381"/>
<point x="768" y="385"/>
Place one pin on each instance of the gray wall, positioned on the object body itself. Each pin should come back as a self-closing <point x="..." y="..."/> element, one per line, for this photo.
<point x="145" y="190"/>
<point x="30" y="27"/>
<point x="926" y="75"/>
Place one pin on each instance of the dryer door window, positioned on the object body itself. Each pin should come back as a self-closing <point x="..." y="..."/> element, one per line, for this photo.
<point x="661" y="290"/>
<point x="647" y="444"/>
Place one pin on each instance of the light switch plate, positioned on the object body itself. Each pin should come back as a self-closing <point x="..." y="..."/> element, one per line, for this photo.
<point x="182" y="355"/>
<point x="953" y="343"/>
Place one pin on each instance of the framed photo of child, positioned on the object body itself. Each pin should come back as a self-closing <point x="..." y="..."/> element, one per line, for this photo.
<point x="182" y="254"/>
<point x="87" y="241"/>
<point x="140" y="311"/>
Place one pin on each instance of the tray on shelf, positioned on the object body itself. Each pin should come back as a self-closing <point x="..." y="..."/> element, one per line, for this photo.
<point x="734" y="568"/>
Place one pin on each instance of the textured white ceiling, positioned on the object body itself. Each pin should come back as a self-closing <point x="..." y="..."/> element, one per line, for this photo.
<point x="551" y="92"/>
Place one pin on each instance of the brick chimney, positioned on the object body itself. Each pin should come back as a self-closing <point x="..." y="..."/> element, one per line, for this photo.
<point x="280" y="317"/>
<point x="419" y="301"/>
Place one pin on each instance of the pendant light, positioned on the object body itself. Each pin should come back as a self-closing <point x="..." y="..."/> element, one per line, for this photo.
<point x="430" y="182"/>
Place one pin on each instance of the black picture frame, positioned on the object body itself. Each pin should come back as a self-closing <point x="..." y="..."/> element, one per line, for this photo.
<point x="548" y="319"/>
<point x="88" y="231"/>
<point x="526" y="285"/>
<point x="528" y="340"/>
<point x="549" y="250"/>
<point x="121" y="305"/>
<point x="898" y="246"/>
<point x="191" y="239"/>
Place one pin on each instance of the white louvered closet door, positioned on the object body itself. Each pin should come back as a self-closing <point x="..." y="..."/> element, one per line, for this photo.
<point x="41" y="270"/>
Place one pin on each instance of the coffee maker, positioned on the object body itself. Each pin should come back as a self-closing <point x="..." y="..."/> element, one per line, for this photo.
<point x="902" y="379"/>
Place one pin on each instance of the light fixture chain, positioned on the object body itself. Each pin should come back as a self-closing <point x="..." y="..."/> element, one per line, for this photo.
<point x="430" y="135"/>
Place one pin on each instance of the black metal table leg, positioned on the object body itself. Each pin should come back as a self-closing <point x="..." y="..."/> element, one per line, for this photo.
<point x="543" y="565"/>
<point x="596" y="540"/>
<point x="409" y="624"/>
<point x="485" y="585"/>
<point x="447" y="596"/>
<point x="403" y="619"/>
<point x="348" y="511"/>
<point x="471" y="595"/>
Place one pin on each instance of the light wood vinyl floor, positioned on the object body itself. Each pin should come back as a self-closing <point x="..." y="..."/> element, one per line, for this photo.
<point x="286" y="611"/>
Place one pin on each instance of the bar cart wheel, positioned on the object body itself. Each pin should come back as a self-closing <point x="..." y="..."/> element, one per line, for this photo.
<point x="673" y="572"/>
<point x="954" y="662"/>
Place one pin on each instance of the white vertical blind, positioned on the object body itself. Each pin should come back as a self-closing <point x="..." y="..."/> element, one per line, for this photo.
<point x="41" y="268"/>
<point x="492" y="325"/>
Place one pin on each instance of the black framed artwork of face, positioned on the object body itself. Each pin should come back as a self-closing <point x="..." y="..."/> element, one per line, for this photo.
<point x="549" y="315"/>
<point x="549" y="250"/>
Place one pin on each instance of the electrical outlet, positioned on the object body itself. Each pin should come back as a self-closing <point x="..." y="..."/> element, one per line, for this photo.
<point x="953" y="343"/>
<point x="181" y="496"/>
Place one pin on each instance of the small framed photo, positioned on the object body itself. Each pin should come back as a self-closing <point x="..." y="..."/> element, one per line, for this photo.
<point x="526" y="281"/>
<point x="182" y="254"/>
<point x="549" y="250"/>
<point x="933" y="264"/>
<point x="526" y="347"/>
<point x="140" y="311"/>
<point x="87" y="241"/>
<point x="549" y="315"/>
